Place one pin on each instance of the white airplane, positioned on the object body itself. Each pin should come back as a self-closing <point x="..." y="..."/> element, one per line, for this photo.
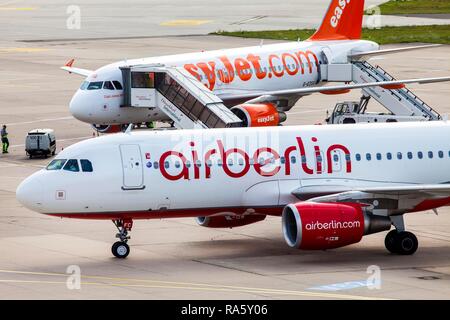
<point x="331" y="184"/>
<point x="258" y="82"/>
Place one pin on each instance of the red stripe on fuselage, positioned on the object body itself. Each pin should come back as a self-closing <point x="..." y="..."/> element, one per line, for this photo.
<point x="171" y="213"/>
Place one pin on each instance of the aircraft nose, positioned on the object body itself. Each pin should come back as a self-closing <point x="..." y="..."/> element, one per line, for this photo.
<point x="79" y="107"/>
<point x="30" y="193"/>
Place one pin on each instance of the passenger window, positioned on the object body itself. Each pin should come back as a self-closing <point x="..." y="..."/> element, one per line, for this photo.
<point x="283" y="160"/>
<point x="56" y="164"/>
<point x="379" y="156"/>
<point x="389" y="156"/>
<point x="108" y="85"/>
<point x="118" y="85"/>
<point x="188" y="164"/>
<point x="198" y="164"/>
<point x="166" y="164"/>
<point x="293" y="159"/>
<point x="368" y="156"/>
<point x="420" y="155"/>
<point x="156" y="165"/>
<point x="177" y="164"/>
<point x="95" y="85"/>
<point x="86" y="165"/>
<point x="358" y="157"/>
<point x="399" y="156"/>
<point x="72" y="165"/>
<point x="441" y="154"/>
<point x="335" y="158"/>
<point x="430" y="154"/>
<point x="410" y="155"/>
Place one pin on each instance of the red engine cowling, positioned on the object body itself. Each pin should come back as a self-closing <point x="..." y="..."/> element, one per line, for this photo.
<point x="229" y="221"/>
<point x="259" y="114"/>
<point x="106" y="128"/>
<point x="319" y="226"/>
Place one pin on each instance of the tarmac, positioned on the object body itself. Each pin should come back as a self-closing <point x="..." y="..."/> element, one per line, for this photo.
<point x="176" y="259"/>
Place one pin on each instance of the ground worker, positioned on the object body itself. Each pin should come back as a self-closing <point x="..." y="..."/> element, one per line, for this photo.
<point x="5" y="141"/>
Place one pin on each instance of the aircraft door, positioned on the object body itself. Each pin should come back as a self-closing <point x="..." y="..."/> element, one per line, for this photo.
<point x="133" y="175"/>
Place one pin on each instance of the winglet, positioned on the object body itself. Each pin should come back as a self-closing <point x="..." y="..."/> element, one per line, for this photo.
<point x="343" y="21"/>
<point x="69" y="63"/>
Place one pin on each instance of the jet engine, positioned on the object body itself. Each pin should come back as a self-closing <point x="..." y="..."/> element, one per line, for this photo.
<point x="106" y="128"/>
<point x="320" y="226"/>
<point x="229" y="221"/>
<point x="259" y="114"/>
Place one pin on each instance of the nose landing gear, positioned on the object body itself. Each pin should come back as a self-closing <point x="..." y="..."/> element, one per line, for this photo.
<point x="120" y="249"/>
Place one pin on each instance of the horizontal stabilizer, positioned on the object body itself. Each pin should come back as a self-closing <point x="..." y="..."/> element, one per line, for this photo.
<point x="367" y="54"/>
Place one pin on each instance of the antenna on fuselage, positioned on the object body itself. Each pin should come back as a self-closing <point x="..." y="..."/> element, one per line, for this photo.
<point x="129" y="128"/>
<point x="261" y="43"/>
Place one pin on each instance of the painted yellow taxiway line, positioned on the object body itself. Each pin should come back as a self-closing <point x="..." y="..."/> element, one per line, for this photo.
<point x="184" y="23"/>
<point x="146" y="283"/>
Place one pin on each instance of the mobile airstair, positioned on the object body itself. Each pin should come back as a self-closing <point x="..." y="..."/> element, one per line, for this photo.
<point x="399" y="100"/>
<point x="178" y="94"/>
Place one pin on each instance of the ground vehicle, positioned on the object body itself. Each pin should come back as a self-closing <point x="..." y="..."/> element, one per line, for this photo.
<point x="40" y="142"/>
<point x="355" y="112"/>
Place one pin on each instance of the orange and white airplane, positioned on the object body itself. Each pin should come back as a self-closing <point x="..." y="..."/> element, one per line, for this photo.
<point x="261" y="82"/>
<point x="331" y="184"/>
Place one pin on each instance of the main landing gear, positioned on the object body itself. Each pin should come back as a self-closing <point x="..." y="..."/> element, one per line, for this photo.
<point x="120" y="249"/>
<point x="400" y="241"/>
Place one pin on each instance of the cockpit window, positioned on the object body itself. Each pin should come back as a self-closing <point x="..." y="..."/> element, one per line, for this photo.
<point x="84" y="85"/>
<point x="86" y="165"/>
<point x="118" y="85"/>
<point x="95" y="85"/>
<point x="108" y="85"/>
<point x="72" y="165"/>
<point x="56" y="164"/>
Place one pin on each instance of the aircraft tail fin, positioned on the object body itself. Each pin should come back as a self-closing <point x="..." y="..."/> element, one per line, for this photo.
<point x="343" y="21"/>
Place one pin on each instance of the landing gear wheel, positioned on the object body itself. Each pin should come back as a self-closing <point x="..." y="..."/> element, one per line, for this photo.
<point x="120" y="250"/>
<point x="406" y="243"/>
<point x="389" y="241"/>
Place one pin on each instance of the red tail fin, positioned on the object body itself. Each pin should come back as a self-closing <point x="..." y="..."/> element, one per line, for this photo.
<point x="343" y="21"/>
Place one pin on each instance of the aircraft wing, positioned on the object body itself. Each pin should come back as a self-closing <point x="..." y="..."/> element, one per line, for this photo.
<point x="367" y="54"/>
<point x="394" y="84"/>
<point x="338" y="192"/>
<point x="82" y="72"/>
<point x="400" y="198"/>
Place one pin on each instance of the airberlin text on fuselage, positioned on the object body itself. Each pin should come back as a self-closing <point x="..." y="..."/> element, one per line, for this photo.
<point x="226" y="70"/>
<point x="262" y="157"/>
